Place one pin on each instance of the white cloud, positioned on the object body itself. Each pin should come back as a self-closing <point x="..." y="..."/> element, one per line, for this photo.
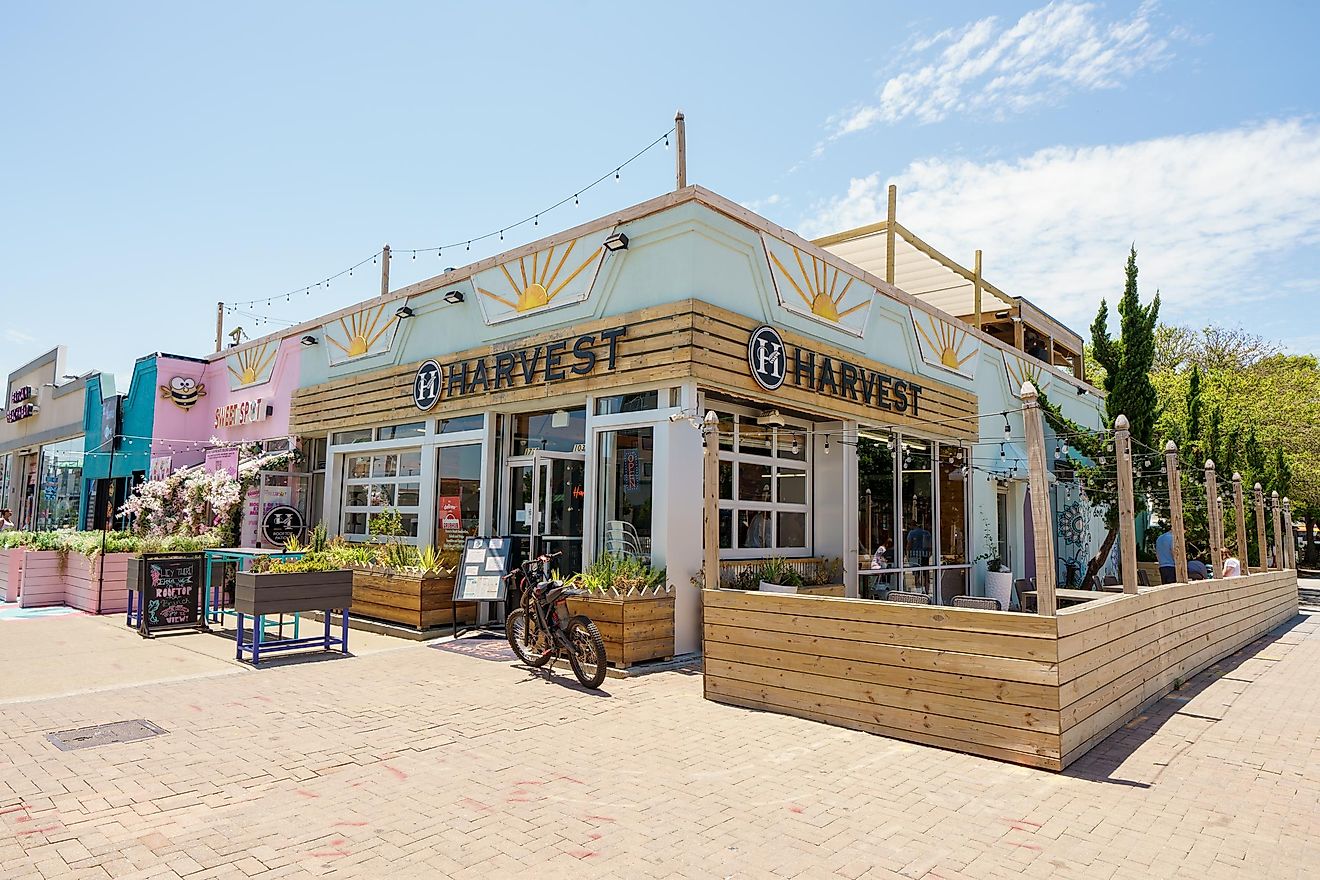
<point x="18" y="336"/>
<point x="1217" y="218"/>
<point x="987" y="69"/>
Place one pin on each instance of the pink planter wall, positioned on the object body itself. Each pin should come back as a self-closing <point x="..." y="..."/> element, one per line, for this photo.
<point x="72" y="580"/>
<point x="11" y="573"/>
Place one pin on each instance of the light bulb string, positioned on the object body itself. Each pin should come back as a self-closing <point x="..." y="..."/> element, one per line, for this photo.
<point x="466" y="242"/>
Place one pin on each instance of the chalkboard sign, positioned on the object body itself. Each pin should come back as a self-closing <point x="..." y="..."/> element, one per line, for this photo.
<point x="171" y="592"/>
<point x="481" y="570"/>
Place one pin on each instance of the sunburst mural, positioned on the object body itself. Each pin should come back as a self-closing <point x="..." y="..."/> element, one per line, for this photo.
<point x="252" y="366"/>
<point x="1017" y="371"/>
<point x="807" y="285"/>
<point x="559" y="275"/>
<point x="359" y="334"/>
<point x="946" y="345"/>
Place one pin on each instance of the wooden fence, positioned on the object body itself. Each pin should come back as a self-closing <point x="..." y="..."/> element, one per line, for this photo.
<point x="1031" y="689"/>
<point x="46" y="577"/>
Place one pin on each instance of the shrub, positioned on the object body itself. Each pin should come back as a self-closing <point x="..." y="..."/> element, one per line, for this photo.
<point x="615" y="571"/>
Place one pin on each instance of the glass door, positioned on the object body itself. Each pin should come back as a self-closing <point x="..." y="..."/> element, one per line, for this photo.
<point x="543" y="510"/>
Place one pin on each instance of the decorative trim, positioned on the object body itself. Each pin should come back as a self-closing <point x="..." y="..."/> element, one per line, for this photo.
<point x="809" y="286"/>
<point x="945" y="344"/>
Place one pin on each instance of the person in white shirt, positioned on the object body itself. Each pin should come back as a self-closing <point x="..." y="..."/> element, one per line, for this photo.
<point x="1232" y="565"/>
<point x="6" y="520"/>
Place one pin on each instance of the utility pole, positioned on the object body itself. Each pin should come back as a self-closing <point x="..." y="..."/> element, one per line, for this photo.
<point x="385" y="271"/>
<point x="219" y="325"/>
<point x="680" y="151"/>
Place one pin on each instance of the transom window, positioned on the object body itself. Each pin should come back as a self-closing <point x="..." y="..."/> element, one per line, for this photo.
<point x="764" y="488"/>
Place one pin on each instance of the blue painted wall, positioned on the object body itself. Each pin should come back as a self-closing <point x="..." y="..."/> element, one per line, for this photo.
<point x="137" y="416"/>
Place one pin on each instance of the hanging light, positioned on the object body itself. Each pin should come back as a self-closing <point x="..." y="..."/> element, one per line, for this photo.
<point x="827" y="444"/>
<point x="616" y="172"/>
<point x="666" y="142"/>
<point x="575" y="198"/>
<point x="797" y="447"/>
<point x="1003" y="456"/>
<point x="1008" y="429"/>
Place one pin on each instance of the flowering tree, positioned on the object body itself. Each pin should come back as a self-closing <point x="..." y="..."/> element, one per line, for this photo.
<point x="188" y="501"/>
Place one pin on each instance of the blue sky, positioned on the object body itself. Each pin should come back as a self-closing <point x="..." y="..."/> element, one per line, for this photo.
<point x="157" y="158"/>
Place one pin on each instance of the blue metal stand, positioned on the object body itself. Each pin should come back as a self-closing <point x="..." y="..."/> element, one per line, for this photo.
<point x="258" y="646"/>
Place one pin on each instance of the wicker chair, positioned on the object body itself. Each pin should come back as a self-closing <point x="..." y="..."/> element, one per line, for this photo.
<point x="909" y="598"/>
<point x="985" y="603"/>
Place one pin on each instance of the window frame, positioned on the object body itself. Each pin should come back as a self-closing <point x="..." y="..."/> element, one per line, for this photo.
<point x="774" y="507"/>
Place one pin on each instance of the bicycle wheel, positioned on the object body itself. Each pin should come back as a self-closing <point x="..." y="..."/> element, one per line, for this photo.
<point x="587" y="652"/>
<point x="524" y="640"/>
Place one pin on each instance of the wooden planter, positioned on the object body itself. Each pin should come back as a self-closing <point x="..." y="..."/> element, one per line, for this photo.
<point x="835" y="590"/>
<point x="418" y="601"/>
<point x="294" y="591"/>
<point x="635" y="626"/>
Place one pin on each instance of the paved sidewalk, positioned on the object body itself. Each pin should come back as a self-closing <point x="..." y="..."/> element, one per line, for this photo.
<point x="424" y="763"/>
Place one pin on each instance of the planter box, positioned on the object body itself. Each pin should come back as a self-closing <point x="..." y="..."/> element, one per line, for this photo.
<point x="414" y="600"/>
<point x="11" y="574"/>
<point x="296" y="591"/>
<point x="635" y="626"/>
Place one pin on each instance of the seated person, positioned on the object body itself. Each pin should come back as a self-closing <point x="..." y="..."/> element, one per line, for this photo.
<point x="1232" y="565"/>
<point x="1197" y="570"/>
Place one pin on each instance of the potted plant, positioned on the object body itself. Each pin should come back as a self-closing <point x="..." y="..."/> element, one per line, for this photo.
<point x="631" y="604"/>
<point x="313" y="582"/>
<point x="823" y="577"/>
<point x="998" y="577"/>
<point x="778" y="575"/>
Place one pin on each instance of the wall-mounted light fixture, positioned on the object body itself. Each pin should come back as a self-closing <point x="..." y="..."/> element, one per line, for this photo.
<point x="403" y="312"/>
<point x="616" y="242"/>
<point x="454" y="297"/>
<point x="1001" y="315"/>
<point x="308" y="340"/>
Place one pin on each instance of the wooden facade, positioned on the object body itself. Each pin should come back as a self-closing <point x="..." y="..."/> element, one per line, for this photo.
<point x="1034" y="690"/>
<point x="674" y="341"/>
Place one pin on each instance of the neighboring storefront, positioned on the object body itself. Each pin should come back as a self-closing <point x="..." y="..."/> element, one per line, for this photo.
<point x="41" y="446"/>
<point x="549" y="394"/>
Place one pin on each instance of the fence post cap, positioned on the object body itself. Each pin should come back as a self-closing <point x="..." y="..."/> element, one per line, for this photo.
<point x="1237" y="478"/>
<point x="1209" y="464"/>
<point x="1170" y="446"/>
<point x="1121" y="423"/>
<point x="1028" y="391"/>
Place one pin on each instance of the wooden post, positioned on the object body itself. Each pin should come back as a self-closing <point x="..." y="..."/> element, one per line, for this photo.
<point x="1214" y="524"/>
<point x="1240" y="520"/>
<point x="1289" y="540"/>
<point x="385" y="271"/>
<point x="710" y="435"/>
<point x="890" y="232"/>
<point x="1041" y="519"/>
<point x="1176" y="512"/>
<point x="1262" y="549"/>
<point x="1127" y="517"/>
<point x="219" y="326"/>
<point x="1019" y="331"/>
<point x="680" y="151"/>
<point x="1277" y="518"/>
<point x="976" y="290"/>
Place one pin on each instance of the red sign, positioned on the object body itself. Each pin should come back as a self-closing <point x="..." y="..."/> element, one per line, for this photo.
<point x="451" y="513"/>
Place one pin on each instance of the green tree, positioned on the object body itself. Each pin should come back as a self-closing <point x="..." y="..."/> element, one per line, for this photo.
<point x="1193" y="428"/>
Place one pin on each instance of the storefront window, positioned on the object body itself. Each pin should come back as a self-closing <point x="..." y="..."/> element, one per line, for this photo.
<point x="626" y="472"/>
<point x="59" y="485"/>
<point x="458" y="498"/>
<point x="374" y="483"/>
<point x="912" y="493"/>
<point x="557" y="431"/>
<point x="763" y="488"/>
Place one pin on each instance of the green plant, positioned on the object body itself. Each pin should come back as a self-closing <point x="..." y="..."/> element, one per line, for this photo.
<point x="778" y="570"/>
<point x="989" y="547"/>
<point x="386" y="524"/>
<point x="306" y="563"/>
<point x="827" y="571"/>
<point x="611" y="572"/>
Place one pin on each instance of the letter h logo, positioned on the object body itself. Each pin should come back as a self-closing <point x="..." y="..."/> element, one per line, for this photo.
<point x="767" y="357"/>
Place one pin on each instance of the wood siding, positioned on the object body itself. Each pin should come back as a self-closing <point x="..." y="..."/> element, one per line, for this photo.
<point x="294" y="591"/>
<point x="674" y="341"/>
<point x="1118" y="655"/>
<point x="1034" y="690"/>
<point x="977" y="681"/>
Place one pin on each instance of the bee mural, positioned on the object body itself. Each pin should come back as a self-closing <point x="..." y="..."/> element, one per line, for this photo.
<point x="183" y="391"/>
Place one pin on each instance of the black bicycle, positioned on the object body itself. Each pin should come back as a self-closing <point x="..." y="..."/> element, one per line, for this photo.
<point x="541" y="629"/>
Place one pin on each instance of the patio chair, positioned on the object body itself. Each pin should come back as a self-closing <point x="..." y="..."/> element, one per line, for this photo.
<point x="985" y="603"/>
<point x="621" y="539"/>
<point x="906" y="597"/>
<point x="1020" y="586"/>
<point x="1143" y="580"/>
<point x="1109" y="581"/>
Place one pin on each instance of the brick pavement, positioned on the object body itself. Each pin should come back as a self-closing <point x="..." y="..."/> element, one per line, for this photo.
<point x="423" y="763"/>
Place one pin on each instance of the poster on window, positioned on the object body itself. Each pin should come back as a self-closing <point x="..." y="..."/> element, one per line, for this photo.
<point x="222" y="460"/>
<point x="451" y="522"/>
<point x="160" y="466"/>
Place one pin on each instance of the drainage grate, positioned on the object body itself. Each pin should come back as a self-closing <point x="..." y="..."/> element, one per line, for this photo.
<point x="104" y="734"/>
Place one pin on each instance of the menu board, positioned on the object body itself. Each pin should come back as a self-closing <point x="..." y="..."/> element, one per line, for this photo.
<point x="171" y="593"/>
<point x="482" y="569"/>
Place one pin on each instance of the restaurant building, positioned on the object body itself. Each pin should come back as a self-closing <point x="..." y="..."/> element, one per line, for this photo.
<point x="553" y="393"/>
<point x="41" y="444"/>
